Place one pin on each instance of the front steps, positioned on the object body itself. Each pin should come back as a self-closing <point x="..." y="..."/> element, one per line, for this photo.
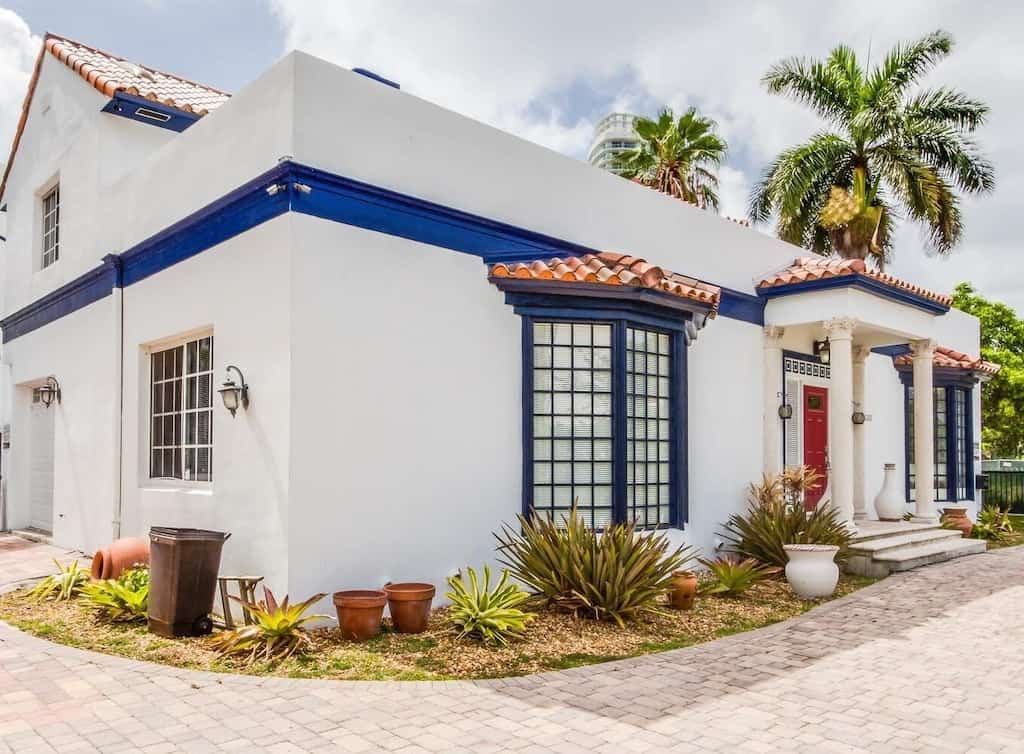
<point x="880" y="548"/>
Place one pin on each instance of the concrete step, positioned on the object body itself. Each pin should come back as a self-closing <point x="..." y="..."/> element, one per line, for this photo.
<point x="878" y="545"/>
<point x="34" y="535"/>
<point x="906" y="558"/>
<point x="869" y="530"/>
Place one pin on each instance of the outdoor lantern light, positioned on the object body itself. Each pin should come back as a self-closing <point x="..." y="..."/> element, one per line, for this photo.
<point x="785" y="411"/>
<point x="49" y="390"/>
<point x="234" y="393"/>
<point x="822" y="350"/>
<point x="858" y="417"/>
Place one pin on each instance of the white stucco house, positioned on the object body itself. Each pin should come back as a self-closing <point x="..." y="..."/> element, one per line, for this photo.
<point x="439" y="325"/>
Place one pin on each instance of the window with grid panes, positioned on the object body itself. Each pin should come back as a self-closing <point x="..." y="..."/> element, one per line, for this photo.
<point x="181" y="410"/>
<point x="578" y="439"/>
<point x="51" y="226"/>
<point x="953" y="461"/>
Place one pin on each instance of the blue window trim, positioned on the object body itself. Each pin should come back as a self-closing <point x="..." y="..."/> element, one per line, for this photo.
<point x="950" y="380"/>
<point x="149" y="112"/>
<point x="862" y="282"/>
<point x="530" y="308"/>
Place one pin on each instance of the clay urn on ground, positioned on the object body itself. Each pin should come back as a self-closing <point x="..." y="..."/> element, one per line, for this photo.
<point x="359" y="612"/>
<point x="956" y="516"/>
<point x="409" y="605"/>
<point x="683" y="591"/>
<point x="119" y="556"/>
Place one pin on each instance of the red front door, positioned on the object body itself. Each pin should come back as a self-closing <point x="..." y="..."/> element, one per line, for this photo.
<point x="815" y="440"/>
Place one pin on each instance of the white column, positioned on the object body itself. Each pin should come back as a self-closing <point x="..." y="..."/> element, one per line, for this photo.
<point x="923" y="353"/>
<point x="772" y="399"/>
<point x="840" y="400"/>
<point x="860" y="503"/>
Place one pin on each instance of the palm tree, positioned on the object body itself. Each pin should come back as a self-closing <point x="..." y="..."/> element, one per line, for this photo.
<point x="895" y="150"/>
<point x="677" y="157"/>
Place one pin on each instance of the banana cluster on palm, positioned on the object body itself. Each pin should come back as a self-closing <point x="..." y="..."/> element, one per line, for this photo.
<point x="912" y="150"/>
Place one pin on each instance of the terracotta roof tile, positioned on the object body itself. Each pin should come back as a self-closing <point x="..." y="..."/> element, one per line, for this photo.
<point x="950" y="359"/>
<point x="109" y="74"/>
<point x="806" y="269"/>
<point x="739" y="221"/>
<point x="612" y="269"/>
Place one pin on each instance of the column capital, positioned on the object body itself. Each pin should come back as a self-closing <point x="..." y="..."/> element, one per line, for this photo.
<point x="860" y="354"/>
<point x="840" y="328"/>
<point x="774" y="332"/>
<point x="923" y="349"/>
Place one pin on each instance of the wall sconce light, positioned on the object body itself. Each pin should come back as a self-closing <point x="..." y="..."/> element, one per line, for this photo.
<point x="858" y="417"/>
<point x="49" y="390"/>
<point x="785" y="411"/>
<point x="234" y="393"/>
<point x="822" y="349"/>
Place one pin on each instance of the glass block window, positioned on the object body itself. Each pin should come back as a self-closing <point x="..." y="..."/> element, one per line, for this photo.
<point x="51" y="226"/>
<point x="648" y="427"/>
<point x="572" y="420"/>
<point x="181" y="411"/>
<point x="953" y="437"/>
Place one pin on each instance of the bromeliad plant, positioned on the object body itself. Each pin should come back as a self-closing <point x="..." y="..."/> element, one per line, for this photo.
<point x="487" y="614"/>
<point x="615" y="575"/>
<point x="731" y="578"/>
<point x="776" y="517"/>
<point x="66" y="584"/>
<point x="123" y="599"/>
<point x="993" y="524"/>
<point x="279" y="630"/>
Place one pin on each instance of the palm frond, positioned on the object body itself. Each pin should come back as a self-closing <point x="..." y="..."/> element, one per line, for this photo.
<point x="949" y="107"/>
<point x="811" y="83"/>
<point x="904" y="65"/>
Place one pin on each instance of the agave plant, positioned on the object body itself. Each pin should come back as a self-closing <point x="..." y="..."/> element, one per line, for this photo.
<point x="773" y="520"/>
<point x="66" y="584"/>
<point x="487" y="614"/>
<point x="123" y="599"/>
<point x="733" y="577"/>
<point x="278" y="632"/>
<point x="614" y="576"/>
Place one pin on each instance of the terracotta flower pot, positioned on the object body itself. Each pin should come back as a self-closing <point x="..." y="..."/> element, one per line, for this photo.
<point x="957" y="516"/>
<point x="359" y="612"/>
<point x="683" y="592"/>
<point x="119" y="556"/>
<point x="409" y="605"/>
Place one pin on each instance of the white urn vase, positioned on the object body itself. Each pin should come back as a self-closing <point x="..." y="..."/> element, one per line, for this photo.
<point x="889" y="503"/>
<point x="812" y="571"/>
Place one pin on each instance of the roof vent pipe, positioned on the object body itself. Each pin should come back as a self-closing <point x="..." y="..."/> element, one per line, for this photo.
<point x="376" y="77"/>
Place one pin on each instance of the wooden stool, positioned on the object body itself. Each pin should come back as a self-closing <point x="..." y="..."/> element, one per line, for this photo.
<point x="246" y="592"/>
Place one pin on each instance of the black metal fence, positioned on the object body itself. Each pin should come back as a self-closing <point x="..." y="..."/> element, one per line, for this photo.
<point x="1006" y="488"/>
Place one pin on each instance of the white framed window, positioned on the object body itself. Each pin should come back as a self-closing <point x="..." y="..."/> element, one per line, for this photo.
<point x="181" y="411"/>
<point x="51" y="226"/>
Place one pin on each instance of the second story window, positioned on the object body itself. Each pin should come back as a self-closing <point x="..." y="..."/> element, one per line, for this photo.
<point x="51" y="226"/>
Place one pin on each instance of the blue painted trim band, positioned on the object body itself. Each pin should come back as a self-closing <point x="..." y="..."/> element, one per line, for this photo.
<point x="898" y="350"/>
<point x="376" y="77"/>
<point x="856" y="281"/>
<point x="149" y="112"/>
<point x="742" y="306"/>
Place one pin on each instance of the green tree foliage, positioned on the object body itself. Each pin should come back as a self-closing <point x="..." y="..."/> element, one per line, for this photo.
<point x="1002" y="397"/>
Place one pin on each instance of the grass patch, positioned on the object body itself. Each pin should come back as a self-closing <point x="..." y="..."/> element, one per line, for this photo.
<point x="555" y="641"/>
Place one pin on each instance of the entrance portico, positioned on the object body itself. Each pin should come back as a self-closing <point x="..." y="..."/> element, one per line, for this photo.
<point x="837" y="312"/>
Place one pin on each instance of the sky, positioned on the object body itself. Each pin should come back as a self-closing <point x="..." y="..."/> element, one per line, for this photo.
<point x="549" y="71"/>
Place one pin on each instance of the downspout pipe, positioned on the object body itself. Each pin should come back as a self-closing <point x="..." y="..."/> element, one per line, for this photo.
<point x="117" y="297"/>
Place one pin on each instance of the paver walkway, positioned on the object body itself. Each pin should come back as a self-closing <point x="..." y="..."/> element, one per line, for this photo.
<point x="931" y="660"/>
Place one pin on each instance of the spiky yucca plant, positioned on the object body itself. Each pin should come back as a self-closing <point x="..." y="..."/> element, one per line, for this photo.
<point x="279" y="630"/>
<point x="123" y="599"/>
<point x="615" y="575"/>
<point x="732" y="578"/>
<point x="993" y="523"/>
<point x="484" y="613"/>
<point x="66" y="584"/>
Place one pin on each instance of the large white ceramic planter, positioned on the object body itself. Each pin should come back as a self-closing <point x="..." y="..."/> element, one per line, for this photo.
<point x="812" y="571"/>
<point x="889" y="502"/>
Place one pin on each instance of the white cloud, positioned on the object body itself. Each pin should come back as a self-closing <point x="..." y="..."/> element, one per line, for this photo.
<point x="514" y="65"/>
<point x="18" y="50"/>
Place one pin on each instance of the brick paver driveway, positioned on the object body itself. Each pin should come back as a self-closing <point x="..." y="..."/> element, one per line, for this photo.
<point x="928" y="661"/>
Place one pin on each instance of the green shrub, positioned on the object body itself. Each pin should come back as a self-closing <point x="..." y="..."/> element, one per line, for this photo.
<point x="732" y="577"/>
<point x="125" y="598"/>
<point x="772" y="521"/>
<point x="66" y="584"/>
<point x="993" y="523"/>
<point x="279" y="630"/>
<point x="484" y="613"/>
<point x="612" y="576"/>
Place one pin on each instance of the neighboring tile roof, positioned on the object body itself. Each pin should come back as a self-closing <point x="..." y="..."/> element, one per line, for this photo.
<point x="807" y="269"/>
<point x="738" y="220"/>
<point x="612" y="269"/>
<point x="950" y="359"/>
<point x="109" y="74"/>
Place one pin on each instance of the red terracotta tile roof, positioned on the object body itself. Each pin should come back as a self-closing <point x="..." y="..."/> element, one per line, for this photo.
<point x="806" y="269"/>
<point x="739" y="221"/>
<point x="612" y="269"/>
<point x="950" y="359"/>
<point x="109" y="74"/>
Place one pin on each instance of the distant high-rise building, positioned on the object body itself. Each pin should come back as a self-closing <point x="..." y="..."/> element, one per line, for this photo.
<point x="614" y="134"/>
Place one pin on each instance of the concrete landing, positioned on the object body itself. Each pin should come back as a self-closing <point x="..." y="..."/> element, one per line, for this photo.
<point x="880" y="547"/>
